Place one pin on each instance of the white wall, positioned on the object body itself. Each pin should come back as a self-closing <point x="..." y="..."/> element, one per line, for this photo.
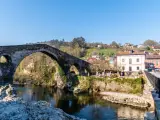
<point x="134" y="65"/>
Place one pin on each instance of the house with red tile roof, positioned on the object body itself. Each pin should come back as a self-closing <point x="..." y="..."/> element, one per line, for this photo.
<point x="91" y="60"/>
<point x="152" y="60"/>
<point x="156" y="48"/>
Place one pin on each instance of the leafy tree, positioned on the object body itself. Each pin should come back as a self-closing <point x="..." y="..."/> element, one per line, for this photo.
<point x="148" y="48"/>
<point x="76" y="51"/>
<point x="80" y="41"/>
<point x="115" y="44"/>
<point x="111" y="54"/>
<point x="150" y="43"/>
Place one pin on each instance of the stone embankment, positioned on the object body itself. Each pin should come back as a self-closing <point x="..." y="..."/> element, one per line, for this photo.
<point x="14" y="108"/>
<point x="144" y="100"/>
<point x="127" y="99"/>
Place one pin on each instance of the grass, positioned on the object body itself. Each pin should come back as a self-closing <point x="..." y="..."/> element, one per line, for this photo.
<point x="105" y="52"/>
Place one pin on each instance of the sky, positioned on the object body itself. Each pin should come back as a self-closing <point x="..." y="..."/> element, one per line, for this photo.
<point x="29" y="21"/>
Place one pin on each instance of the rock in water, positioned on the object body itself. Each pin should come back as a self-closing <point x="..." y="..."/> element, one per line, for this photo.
<point x="14" y="108"/>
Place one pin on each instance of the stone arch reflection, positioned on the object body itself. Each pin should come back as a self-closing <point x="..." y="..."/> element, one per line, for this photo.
<point x="67" y="102"/>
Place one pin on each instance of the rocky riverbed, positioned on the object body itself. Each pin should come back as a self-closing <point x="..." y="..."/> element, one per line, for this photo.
<point x="15" y="108"/>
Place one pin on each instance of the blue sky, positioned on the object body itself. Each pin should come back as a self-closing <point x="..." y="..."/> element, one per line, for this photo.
<point x="25" y="21"/>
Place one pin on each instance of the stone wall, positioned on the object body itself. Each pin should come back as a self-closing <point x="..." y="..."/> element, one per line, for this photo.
<point x="155" y="81"/>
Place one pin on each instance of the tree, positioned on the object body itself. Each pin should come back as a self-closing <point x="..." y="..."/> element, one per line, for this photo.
<point x="150" y="43"/>
<point x="148" y="48"/>
<point x="80" y="41"/>
<point x="114" y="44"/>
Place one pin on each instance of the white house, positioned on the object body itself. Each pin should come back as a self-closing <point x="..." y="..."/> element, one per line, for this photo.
<point x="131" y="61"/>
<point x="99" y="46"/>
<point x="96" y="57"/>
<point x="141" y="46"/>
<point x="128" y="46"/>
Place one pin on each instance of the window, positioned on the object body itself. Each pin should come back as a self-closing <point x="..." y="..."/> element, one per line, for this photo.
<point x="137" y="59"/>
<point x="130" y="68"/>
<point x="130" y="61"/>
<point x="137" y="68"/>
<point x="123" y="60"/>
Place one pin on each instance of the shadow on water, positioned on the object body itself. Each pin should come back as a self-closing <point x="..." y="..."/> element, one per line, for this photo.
<point x="84" y="105"/>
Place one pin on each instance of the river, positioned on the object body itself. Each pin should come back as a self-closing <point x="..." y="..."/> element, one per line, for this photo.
<point x="85" y="106"/>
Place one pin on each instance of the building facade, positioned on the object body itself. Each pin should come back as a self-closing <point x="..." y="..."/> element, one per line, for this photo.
<point x="152" y="60"/>
<point x="131" y="62"/>
<point x="156" y="48"/>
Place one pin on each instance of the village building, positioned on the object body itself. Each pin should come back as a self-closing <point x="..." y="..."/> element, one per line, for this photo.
<point x="141" y="46"/>
<point x="128" y="46"/>
<point x="131" y="61"/>
<point x="91" y="60"/>
<point x="97" y="57"/>
<point x="156" y="48"/>
<point x="99" y="46"/>
<point x="152" y="61"/>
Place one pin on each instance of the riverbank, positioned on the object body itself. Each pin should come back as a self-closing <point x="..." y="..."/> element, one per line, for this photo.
<point x="109" y="84"/>
<point x="126" y="99"/>
<point x="127" y="91"/>
<point x="14" y="108"/>
<point x="143" y="100"/>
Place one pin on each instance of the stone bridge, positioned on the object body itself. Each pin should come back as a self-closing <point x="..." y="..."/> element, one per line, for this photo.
<point x="15" y="54"/>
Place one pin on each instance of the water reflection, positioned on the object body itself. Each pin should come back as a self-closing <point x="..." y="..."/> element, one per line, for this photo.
<point x="129" y="113"/>
<point x="85" y="106"/>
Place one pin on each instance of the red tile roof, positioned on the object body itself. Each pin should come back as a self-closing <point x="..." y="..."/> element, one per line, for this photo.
<point x="153" y="57"/>
<point x="130" y="53"/>
<point x="156" y="47"/>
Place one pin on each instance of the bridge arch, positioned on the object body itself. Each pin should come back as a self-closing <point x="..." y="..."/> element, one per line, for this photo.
<point x="53" y="75"/>
<point x="22" y="56"/>
<point x="74" y="68"/>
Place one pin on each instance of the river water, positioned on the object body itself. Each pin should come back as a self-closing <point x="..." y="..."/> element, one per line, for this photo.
<point x="85" y="106"/>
